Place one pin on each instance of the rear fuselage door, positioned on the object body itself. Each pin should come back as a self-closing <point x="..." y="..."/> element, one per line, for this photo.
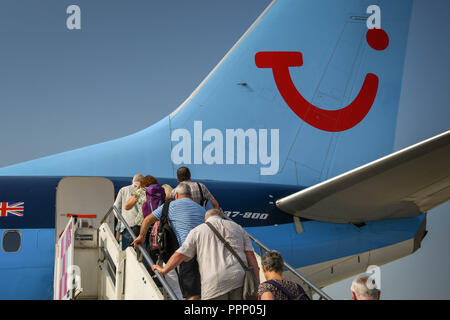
<point x="89" y="198"/>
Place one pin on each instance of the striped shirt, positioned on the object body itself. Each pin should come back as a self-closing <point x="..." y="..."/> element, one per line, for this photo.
<point x="184" y="215"/>
<point x="196" y="196"/>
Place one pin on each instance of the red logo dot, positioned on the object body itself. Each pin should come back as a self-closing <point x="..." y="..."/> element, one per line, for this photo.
<point x="377" y="39"/>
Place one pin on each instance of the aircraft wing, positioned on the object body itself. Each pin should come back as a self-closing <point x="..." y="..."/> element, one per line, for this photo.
<point x="406" y="183"/>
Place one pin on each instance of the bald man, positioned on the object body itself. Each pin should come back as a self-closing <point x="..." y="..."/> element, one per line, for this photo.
<point x="225" y="280"/>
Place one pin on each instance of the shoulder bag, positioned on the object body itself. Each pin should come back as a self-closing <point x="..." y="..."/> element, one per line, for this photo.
<point x="250" y="285"/>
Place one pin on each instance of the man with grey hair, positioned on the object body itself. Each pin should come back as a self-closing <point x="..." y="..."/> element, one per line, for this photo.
<point x="129" y="215"/>
<point x="184" y="215"/>
<point x="360" y="290"/>
<point x="225" y="280"/>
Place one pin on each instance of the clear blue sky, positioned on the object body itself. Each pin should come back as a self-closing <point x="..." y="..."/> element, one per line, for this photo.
<point x="134" y="62"/>
<point x="424" y="112"/>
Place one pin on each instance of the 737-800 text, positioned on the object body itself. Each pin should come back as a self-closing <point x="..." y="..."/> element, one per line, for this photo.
<point x="246" y="215"/>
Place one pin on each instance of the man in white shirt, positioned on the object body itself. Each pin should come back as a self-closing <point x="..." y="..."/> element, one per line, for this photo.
<point x="129" y="215"/>
<point x="225" y="280"/>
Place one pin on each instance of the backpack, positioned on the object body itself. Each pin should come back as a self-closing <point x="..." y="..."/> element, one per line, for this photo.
<point x="155" y="196"/>
<point x="301" y="296"/>
<point x="166" y="238"/>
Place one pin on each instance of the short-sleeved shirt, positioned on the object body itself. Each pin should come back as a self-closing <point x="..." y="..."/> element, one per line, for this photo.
<point x="124" y="194"/>
<point x="196" y="195"/>
<point x="220" y="271"/>
<point x="184" y="215"/>
<point x="290" y="286"/>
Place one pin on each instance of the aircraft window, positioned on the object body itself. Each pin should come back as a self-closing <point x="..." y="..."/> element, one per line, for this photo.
<point x="11" y="241"/>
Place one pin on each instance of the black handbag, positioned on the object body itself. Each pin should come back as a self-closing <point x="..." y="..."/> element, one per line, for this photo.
<point x="250" y="286"/>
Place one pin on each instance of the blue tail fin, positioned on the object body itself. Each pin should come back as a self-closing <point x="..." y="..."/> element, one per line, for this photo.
<point x="307" y="93"/>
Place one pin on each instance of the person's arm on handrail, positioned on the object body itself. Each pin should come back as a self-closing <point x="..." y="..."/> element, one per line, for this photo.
<point x="252" y="262"/>
<point x="148" y="221"/>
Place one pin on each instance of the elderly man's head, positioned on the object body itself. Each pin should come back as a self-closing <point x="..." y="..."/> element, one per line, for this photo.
<point x="361" y="291"/>
<point x="183" y="190"/>
<point x="137" y="178"/>
<point x="212" y="213"/>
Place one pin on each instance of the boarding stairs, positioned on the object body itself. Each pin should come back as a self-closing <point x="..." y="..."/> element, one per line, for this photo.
<point x="89" y="264"/>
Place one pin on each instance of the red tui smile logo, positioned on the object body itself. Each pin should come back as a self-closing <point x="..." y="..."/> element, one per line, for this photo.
<point x="327" y="120"/>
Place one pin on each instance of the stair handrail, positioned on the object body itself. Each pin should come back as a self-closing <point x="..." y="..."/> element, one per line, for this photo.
<point x="144" y="253"/>
<point x="169" y="290"/>
<point x="311" y="286"/>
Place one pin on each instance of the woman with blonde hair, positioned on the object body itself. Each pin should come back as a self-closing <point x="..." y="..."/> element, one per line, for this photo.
<point x="168" y="189"/>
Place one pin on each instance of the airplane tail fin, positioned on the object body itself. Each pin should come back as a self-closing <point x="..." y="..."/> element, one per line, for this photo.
<point x="307" y="93"/>
<point x="313" y="71"/>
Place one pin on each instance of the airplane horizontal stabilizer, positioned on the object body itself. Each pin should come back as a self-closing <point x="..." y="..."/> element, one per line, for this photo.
<point x="406" y="183"/>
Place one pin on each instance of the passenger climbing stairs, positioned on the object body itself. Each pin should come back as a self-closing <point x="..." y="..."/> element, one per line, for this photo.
<point x="89" y="264"/>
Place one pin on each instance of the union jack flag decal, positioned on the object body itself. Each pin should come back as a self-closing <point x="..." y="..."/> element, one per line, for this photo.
<point x="11" y="208"/>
